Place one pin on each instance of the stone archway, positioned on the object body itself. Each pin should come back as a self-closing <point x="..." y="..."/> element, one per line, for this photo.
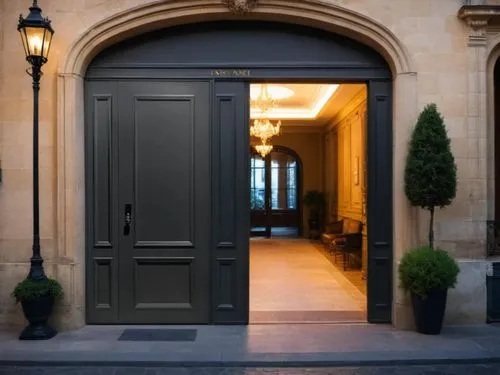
<point x="138" y="20"/>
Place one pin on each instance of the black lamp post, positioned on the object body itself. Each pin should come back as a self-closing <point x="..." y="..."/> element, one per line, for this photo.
<point x="36" y="34"/>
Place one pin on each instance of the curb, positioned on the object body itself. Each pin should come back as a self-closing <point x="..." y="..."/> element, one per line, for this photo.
<point x="255" y="364"/>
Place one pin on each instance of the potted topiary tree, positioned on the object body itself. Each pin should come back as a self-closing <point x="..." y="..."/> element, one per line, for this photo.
<point x="37" y="298"/>
<point x="315" y="201"/>
<point x="430" y="182"/>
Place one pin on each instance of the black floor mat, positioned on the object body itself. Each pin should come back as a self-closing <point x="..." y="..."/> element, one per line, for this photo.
<point x="141" y="334"/>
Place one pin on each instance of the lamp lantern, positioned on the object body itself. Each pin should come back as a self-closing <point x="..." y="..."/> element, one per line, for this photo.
<point x="36" y="34"/>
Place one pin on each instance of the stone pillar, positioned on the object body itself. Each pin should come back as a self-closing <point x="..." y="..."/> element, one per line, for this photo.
<point x="71" y="201"/>
<point x="405" y="219"/>
<point x="477" y="150"/>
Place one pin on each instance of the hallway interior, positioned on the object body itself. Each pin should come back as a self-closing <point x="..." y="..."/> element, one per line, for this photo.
<point x="292" y="281"/>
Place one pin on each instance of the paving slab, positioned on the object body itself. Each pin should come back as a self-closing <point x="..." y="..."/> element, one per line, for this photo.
<point x="304" y="345"/>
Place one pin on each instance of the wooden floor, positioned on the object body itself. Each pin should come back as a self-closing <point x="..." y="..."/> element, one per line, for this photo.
<point x="291" y="280"/>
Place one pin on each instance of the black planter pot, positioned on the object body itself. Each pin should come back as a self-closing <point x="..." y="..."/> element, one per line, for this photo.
<point x="313" y="224"/>
<point x="37" y="312"/>
<point x="429" y="312"/>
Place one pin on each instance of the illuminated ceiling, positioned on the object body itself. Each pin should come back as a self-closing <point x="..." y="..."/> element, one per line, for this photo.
<point x="295" y="101"/>
<point x="305" y="104"/>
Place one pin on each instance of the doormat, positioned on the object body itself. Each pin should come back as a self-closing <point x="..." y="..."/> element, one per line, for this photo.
<point x="140" y="334"/>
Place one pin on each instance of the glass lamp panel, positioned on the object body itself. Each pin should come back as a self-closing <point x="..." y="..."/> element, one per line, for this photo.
<point x="25" y="41"/>
<point x="47" y="41"/>
<point x="35" y="40"/>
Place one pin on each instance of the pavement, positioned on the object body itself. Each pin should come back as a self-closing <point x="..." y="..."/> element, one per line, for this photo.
<point x="255" y="346"/>
<point x="489" y="369"/>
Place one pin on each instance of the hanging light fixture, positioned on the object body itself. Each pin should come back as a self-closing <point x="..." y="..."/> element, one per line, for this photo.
<point x="264" y="129"/>
<point x="263" y="149"/>
<point x="264" y="101"/>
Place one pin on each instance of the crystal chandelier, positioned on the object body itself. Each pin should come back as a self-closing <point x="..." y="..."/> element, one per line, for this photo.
<point x="262" y="127"/>
<point x="263" y="149"/>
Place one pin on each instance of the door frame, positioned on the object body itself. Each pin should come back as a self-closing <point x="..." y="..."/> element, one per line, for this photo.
<point x="379" y="184"/>
<point x="336" y="67"/>
<point x="298" y="185"/>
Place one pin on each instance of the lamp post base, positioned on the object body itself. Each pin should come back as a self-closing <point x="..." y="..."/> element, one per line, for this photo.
<point x="38" y="332"/>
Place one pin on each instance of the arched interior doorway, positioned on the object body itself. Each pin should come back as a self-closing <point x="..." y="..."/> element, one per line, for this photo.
<point x="167" y="166"/>
<point x="275" y="193"/>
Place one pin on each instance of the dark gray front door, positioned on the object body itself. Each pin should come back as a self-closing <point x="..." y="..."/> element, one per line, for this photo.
<point x="160" y="194"/>
<point x="164" y="184"/>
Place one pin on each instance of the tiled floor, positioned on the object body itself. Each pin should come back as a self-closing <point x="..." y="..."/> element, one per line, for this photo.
<point x="292" y="281"/>
<point x="354" y="275"/>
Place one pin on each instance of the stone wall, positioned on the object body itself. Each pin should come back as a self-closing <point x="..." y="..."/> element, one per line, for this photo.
<point x="436" y="64"/>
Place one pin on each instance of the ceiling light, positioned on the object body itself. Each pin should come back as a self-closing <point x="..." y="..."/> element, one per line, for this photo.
<point x="263" y="149"/>
<point x="274" y="91"/>
<point x="297" y="113"/>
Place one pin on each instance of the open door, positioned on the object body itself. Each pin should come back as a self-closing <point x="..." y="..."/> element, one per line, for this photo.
<point x="275" y="194"/>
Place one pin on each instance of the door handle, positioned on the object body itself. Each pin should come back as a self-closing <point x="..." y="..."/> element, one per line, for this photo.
<point x="128" y="219"/>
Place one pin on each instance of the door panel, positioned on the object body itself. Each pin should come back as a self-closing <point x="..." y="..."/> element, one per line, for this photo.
<point x="101" y="221"/>
<point x="231" y="203"/>
<point x="164" y="189"/>
<point x="379" y="202"/>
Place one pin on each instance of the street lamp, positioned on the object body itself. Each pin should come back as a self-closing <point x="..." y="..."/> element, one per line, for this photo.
<point x="36" y="34"/>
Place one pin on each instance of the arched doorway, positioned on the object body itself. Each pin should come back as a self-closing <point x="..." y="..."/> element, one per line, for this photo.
<point x="275" y="194"/>
<point x="167" y="166"/>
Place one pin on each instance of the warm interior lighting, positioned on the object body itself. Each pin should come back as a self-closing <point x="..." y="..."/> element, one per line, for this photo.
<point x="263" y="149"/>
<point x="275" y="92"/>
<point x="264" y="129"/>
<point x="36" y="44"/>
<point x="264" y="100"/>
<point x="296" y="113"/>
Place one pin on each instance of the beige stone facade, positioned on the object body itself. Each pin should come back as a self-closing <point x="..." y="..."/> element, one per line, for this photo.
<point x="437" y="53"/>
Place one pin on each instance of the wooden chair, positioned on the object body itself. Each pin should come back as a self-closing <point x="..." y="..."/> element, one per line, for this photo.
<point x="349" y="242"/>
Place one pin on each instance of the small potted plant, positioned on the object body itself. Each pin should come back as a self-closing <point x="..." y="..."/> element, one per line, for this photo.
<point x="430" y="182"/>
<point x="315" y="200"/>
<point x="37" y="299"/>
<point x="427" y="274"/>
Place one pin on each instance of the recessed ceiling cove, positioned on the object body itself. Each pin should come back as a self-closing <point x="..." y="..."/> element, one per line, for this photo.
<point x="294" y="101"/>
<point x="304" y="104"/>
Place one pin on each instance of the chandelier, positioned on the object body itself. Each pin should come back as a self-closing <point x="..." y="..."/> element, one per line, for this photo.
<point x="263" y="149"/>
<point x="263" y="99"/>
<point x="264" y="129"/>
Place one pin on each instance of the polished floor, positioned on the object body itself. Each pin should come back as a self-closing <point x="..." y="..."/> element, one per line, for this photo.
<point x="277" y="232"/>
<point x="291" y="281"/>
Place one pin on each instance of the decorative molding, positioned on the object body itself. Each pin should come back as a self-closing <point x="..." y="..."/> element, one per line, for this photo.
<point x="477" y="32"/>
<point x="478" y="18"/>
<point x="240" y="6"/>
<point x="347" y="111"/>
<point x="162" y="14"/>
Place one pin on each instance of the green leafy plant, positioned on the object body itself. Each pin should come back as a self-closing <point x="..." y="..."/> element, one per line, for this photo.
<point x="425" y="269"/>
<point x="28" y="289"/>
<point x="316" y="201"/>
<point x="430" y="172"/>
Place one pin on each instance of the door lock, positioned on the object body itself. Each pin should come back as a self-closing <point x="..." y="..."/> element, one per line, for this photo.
<point x="128" y="219"/>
